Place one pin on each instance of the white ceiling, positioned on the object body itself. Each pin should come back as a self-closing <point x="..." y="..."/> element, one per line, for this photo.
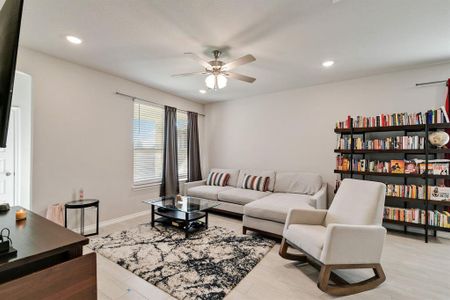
<point x="144" y="40"/>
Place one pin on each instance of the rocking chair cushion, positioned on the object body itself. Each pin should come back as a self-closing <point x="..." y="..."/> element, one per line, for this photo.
<point x="310" y="238"/>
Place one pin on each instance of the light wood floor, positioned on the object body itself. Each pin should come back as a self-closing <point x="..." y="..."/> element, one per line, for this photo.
<point x="414" y="270"/>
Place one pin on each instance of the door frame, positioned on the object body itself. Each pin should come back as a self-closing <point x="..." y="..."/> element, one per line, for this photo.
<point x="15" y="112"/>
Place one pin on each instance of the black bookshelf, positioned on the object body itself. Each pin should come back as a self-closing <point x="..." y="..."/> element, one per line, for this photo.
<point x="426" y="177"/>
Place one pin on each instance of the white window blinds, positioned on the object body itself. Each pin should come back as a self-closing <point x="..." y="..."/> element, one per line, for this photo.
<point x="148" y="140"/>
<point x="182" y="139"/>
<point x="148" y="143"/>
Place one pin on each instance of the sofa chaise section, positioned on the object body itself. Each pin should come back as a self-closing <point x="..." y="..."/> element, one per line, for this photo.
<point x="291" y="190"/>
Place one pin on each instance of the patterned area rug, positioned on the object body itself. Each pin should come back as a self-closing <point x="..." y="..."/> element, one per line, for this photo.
<point x="207" y="265"/>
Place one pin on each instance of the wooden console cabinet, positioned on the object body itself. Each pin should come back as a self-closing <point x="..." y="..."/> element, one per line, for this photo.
<point x="49" y="263"/>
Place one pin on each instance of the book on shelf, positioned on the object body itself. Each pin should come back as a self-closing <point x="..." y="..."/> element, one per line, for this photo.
<point x="417" y="216"/>
<point x="434" y="116"/>
<point x="411" y="167"/>
<point x="438" y="193"/>
<point x="435" y="166"/>
<point x="397" y="166"/>
<point x="394" y="166"/>
<point x="413" y="191"/>
<point x="390" y="143"/>
<point x="440" y="167"/>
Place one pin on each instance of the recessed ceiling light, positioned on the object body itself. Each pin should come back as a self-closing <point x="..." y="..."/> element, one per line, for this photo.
<point x="74" y="39"/>
<point x="328" y="63"/>
<point x="202" y="91"/>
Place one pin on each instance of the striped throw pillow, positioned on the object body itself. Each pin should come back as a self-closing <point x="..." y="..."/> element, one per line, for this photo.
<point x="218" y="179"/>
<point x="257" y="183"/>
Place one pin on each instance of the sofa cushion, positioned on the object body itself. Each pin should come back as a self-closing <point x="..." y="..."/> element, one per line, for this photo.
<point x="257" y="183"/>
<point x="310" y="238"/>
<point x="275" y="207"/>
<point x="264" y="173"/>
<point x="234" y="174"/>
<point x="219" y="179"/>
<point x="241" y="196"/>
<point x="207" y="191"/>
<point x="297" y="182"/>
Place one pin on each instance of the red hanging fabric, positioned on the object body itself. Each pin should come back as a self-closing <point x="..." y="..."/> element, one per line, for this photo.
<point x="447" y="101"/>
<point x="447" y="108"/>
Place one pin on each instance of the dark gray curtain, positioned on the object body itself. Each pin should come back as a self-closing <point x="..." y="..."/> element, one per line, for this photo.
<point x="194" y="170"/>
<point x="169" y="184"/>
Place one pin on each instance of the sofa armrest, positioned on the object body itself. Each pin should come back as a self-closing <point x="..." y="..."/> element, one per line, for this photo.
<point x="305" y="216"/>
<point x="192" y="184"/>
<point x="353" y="244"/>
<point x="320" y="198"/>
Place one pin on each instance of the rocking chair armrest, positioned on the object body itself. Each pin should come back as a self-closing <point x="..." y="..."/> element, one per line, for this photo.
<point x="305" y="216"/>
<point x="353" y="244"/>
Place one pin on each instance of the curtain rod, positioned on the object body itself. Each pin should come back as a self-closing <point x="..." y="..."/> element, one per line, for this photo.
<point x="431" y="82"/>
<point x="155" y="103"/>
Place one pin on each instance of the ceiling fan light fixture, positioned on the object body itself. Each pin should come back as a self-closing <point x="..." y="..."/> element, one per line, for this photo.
<point x="218" y="72"/>
<point x="216" y="81"/>
<point x="210" y="81"/>
<point x="221" y="81"/>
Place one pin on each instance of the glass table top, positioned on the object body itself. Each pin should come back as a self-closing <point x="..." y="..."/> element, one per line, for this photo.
<point x="186" y="204"/>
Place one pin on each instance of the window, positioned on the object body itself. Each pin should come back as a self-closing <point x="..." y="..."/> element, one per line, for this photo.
<point x="148" y="143"/>
<point x="148" y="140"/>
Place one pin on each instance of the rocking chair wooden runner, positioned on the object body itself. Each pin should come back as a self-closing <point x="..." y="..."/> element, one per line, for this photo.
<point x="347" y="236"/>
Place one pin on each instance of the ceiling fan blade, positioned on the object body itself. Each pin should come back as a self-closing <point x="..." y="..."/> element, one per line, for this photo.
<point x="189" y="74"/>
<point x="240" y="61"/>
<point x="240" y="77"/>
<point x="200" y="60"/>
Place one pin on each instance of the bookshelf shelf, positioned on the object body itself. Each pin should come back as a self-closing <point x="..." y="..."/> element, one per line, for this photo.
<point x="393" y="174"/>
<point x="432" y="202"/>
<point x="409" y="128"/>
<point x="404" y="151"/>
<point x="379" y="151"/>
<point x="439" y="228"/>
<point x="403" y="223"/>
<point x="416" y="225"/>
<point x="429" y="152"/>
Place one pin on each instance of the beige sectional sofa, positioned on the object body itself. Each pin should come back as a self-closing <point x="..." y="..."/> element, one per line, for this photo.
<point x="264" y="211"/>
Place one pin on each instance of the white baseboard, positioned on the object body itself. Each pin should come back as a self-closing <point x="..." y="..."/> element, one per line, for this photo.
<point x="105" y="223"/>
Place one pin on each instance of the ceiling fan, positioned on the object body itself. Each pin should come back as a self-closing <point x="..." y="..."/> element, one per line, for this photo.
<point x="218" y="71"/>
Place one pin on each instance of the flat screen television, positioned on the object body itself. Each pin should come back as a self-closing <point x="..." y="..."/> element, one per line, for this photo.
<point x="10" y="18"/>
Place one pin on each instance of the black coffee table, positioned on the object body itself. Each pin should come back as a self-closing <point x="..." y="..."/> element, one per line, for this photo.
<point x="184" y="213"/>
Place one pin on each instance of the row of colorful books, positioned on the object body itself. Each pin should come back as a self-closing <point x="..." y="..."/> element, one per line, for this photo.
<point x="417" y="216"/>
<point x="437" y="193"/>
<point x="395" y="166"/>
<point x="398" y="119"/>
<point x="397" y="142"/>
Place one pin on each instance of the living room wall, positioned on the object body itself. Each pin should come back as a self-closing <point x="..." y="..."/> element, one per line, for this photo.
<point x="82" y="134"/>
<point x="293" y="129"/>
